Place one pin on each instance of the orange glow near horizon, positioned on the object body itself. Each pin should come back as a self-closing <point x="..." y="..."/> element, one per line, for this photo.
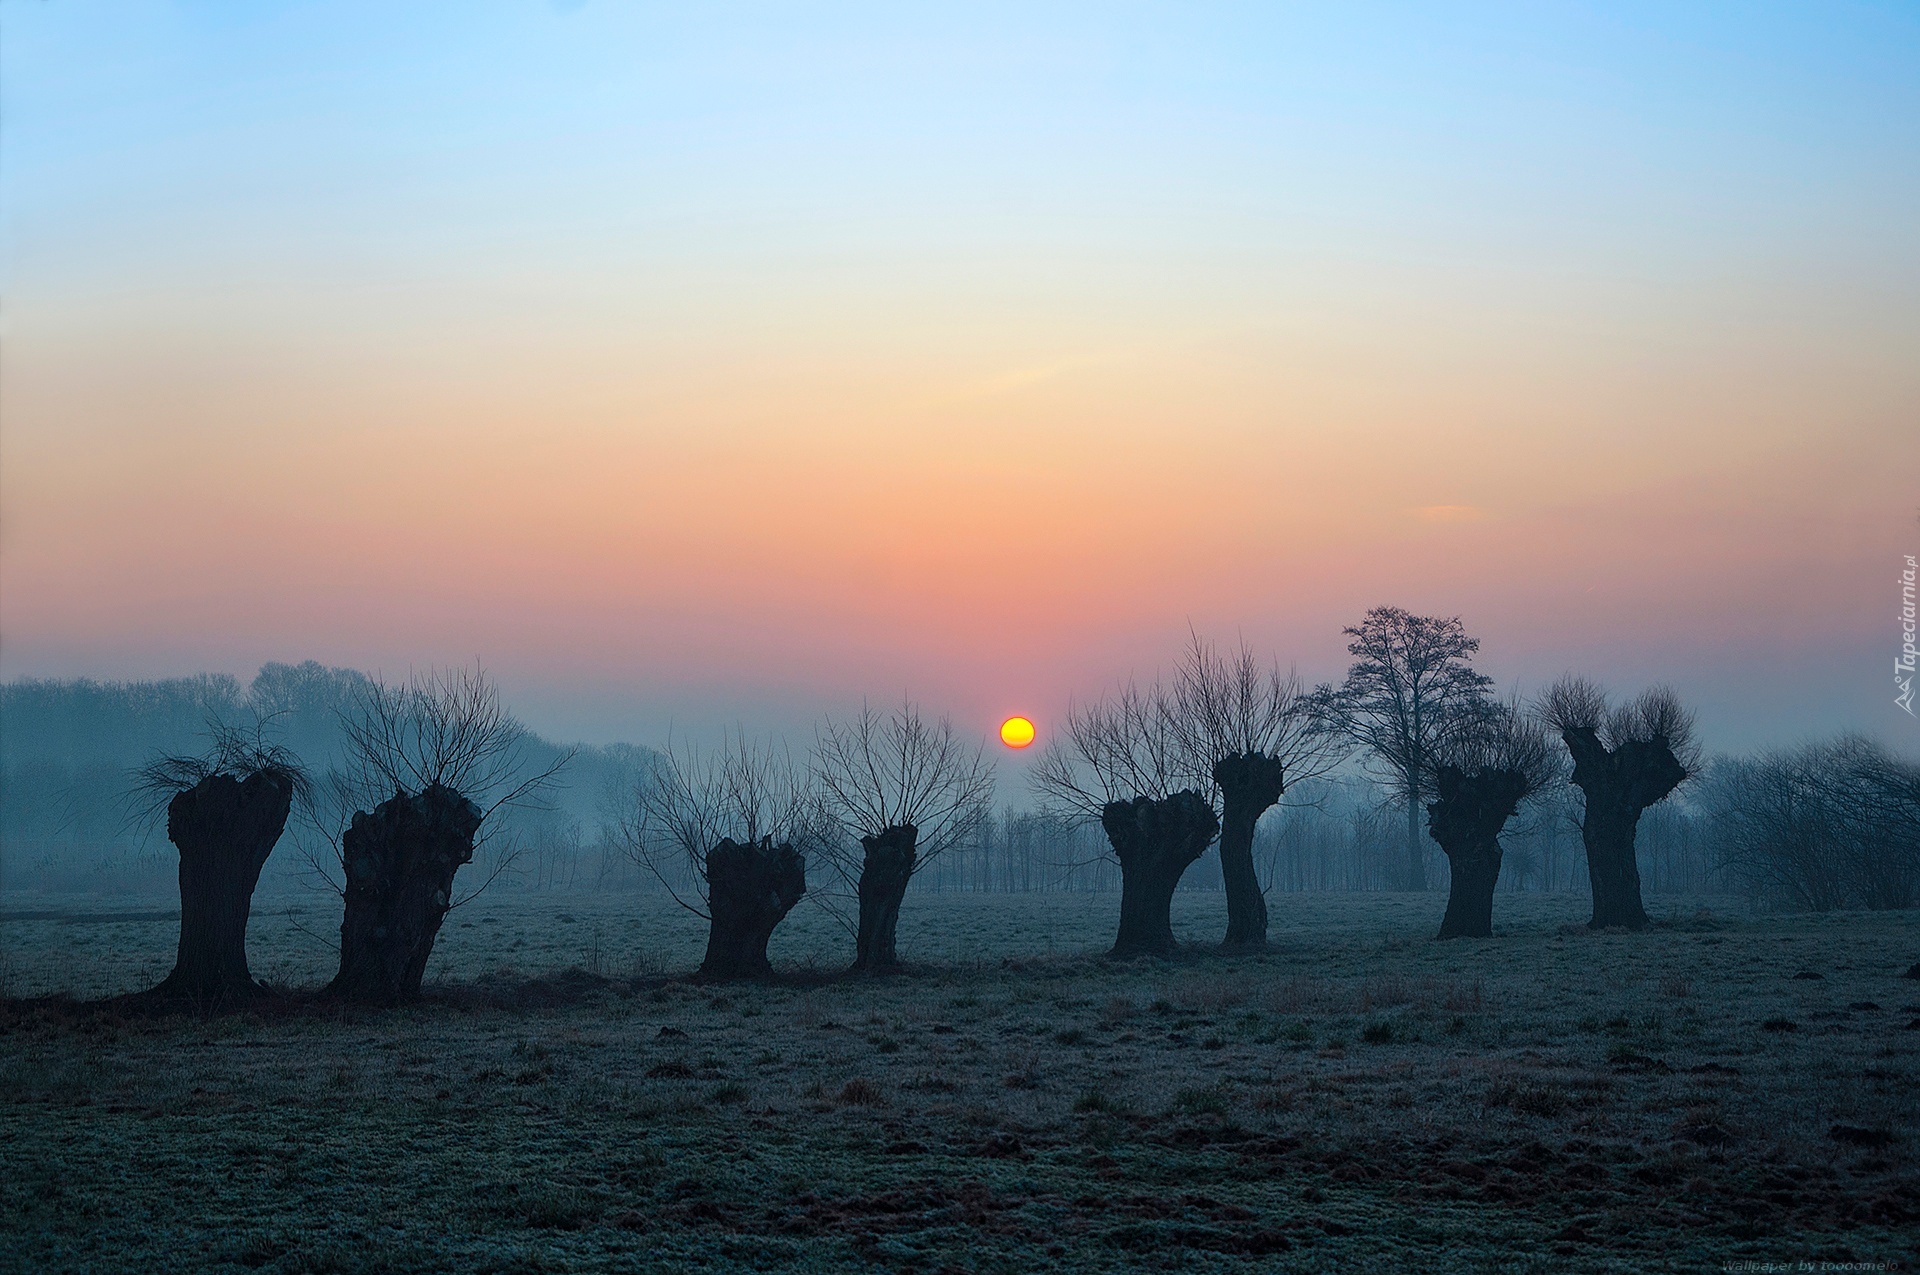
<point x="791" y="370"/>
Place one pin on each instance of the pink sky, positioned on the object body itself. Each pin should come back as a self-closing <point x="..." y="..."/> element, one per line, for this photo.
<point x="863" y="382"/>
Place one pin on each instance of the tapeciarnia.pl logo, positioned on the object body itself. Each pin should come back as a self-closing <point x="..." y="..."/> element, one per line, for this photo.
<point x="1903" y="663"/>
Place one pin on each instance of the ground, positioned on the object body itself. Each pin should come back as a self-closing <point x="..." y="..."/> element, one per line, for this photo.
<point x="1726" y="1088"/>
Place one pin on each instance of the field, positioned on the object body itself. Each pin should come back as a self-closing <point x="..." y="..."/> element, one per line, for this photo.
<point x="1725" y="1088"/>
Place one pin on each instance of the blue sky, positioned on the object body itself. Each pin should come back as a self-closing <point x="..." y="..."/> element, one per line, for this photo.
<point x="1594" y="324"/>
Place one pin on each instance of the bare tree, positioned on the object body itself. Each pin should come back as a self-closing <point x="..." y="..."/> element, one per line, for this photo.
<point x="733" y="818"/>
<point x="429" y="764"/>
<point x="1125" y="763"/>
<point x="909" y="790"/>
<point x="1625" y="759"/>
<point x="1410" y="691"/>
<point x="1247" y="726"/>
<point x="1826" y="825"/>
<point x="1478" y="780"/>
<point x="225" y="810"/>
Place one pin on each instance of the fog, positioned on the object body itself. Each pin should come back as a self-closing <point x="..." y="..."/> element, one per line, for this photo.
<point x="69" y="820"/>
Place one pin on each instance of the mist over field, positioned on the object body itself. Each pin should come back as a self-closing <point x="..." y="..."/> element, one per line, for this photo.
<point x="958" y="638"/>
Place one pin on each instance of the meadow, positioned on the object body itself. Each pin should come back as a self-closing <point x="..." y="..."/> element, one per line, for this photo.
<point x="1723" y="1088"/>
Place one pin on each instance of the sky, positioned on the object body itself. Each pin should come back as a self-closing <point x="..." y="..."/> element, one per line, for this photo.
<point x="698" y="365"/>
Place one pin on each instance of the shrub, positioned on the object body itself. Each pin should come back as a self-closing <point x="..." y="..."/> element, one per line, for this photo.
<point x="860" y="1092"/>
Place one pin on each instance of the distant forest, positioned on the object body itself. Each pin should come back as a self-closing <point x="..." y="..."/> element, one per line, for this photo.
<point x="68" y="750"/>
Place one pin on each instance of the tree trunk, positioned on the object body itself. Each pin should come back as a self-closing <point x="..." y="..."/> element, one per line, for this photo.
<point x="400" y="862"/>
<point x="1250" y="783"/>
<point x="1466" y="821"/>
<point x="225" y="828"/>
<point x="1618" y="785"/>
<point x="1416" y="879"/>
<point x="1608" y="831"/>
<point x="1155" y="841"/>
<point x="750" y="890"/>
<point x="884" y="873"/>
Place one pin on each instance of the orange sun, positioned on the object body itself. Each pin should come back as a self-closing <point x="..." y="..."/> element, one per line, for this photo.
<point x="1016" y="732"/>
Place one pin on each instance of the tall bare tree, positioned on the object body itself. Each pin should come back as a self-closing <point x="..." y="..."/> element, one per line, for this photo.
<point x="1410" y="690"/>
<point x="1477" y="780"/>
<point x="1248" y="727"/>
<point x="1125" y="763"/>
<point x="429" y="764"/>
<point x="225" y="810"/>
<point x="740" y="819"/>
<point x="1625" y="759"/>
<point x="908" y="789"/>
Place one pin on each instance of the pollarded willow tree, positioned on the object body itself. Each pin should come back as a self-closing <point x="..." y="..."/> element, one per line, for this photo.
<point x="1125" y="763"/>
<point x="429" y="765"/>
<point x="908" y="789"/>
<point x="739" y="822"/>
<point x="225" y="811"/>
<point x="1477" y="781"/>
<point x="1411" y="688"/>
<point x="1625" y="759"/>
<point x="1247" y="726"/>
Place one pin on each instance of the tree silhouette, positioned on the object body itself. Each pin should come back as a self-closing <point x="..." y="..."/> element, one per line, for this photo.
<point x="429" y="763"/>
<point x="1250" y="730"/>
<point x="908" y="789"/>
<point x="1125" y="763"/>
<point x="740" y="819"/>
<point x="1625" y="759"/>
<point x="1478" y="780"/>
<point x="225" y="809"/>
<point x="1410" y="691"/>
<point x="1821" y="826"/>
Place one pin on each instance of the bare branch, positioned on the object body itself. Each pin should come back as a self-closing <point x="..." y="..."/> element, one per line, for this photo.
<point x="688" y="801"/>
<point x="1505" y="738"/>
<point x="882" y="771"/>
<point x="1230" y="703"/>
<point x="238" y="749"/>
<point x="440" y="727"/>
<point x="1125" y="746"/>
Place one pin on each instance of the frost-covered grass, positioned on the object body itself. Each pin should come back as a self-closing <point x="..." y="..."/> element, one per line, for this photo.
<point x="1362" y="1098"/>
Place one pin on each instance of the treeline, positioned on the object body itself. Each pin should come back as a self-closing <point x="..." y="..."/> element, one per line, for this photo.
<point x="69" y="749"/>
<point x="1829" y="825"/>
<point x="1343" y="834"/>
<point x="396" y="788"/>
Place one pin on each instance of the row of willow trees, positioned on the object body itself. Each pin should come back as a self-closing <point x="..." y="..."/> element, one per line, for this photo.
<point x="427" y="766"/>
<point x="1164" y="771"/>
<point x="1169" y="769"/>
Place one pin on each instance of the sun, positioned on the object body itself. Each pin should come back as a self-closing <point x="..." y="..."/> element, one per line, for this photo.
<point x="1016" y="732"/>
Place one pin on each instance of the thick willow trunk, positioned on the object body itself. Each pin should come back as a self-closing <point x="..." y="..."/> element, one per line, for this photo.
<point x="890" y="856"/>
<point x="1155" y="841"/>
<point x="1618" y="785"/>
<point x="750" y="890"/>
<point x="1250" y="784"/>
<point x="1470" y="896"/>
<point x="1466" y="820"/>
<point x="224" y="828"/>
<point x="400" y="862"/>
<point x="1608" y="832"/>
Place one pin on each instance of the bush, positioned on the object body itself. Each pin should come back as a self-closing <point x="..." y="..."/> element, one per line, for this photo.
<point x="1825" y="826"/>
